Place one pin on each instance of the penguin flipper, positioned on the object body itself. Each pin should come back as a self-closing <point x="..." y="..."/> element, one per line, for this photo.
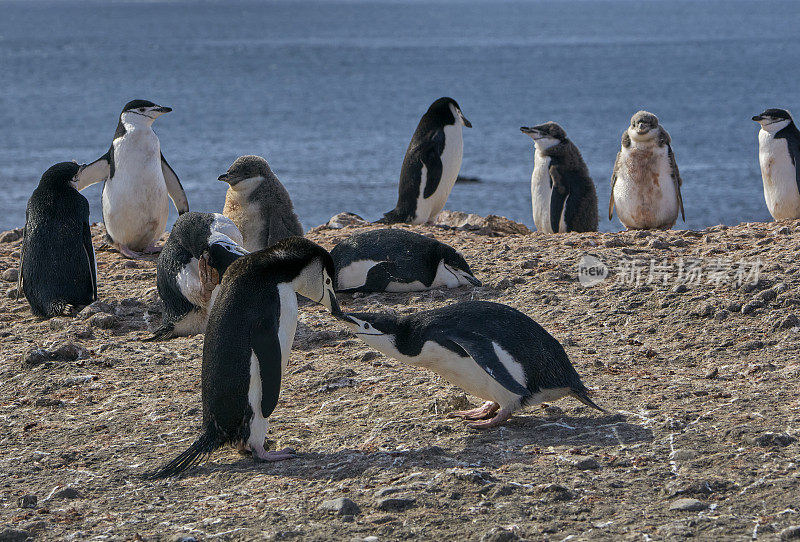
<point x="617" y="165"/>
<point x="267" y="349"/>
<point x="481" y="349"/>
<point x="21" y="255"/>
<point x="558" y="197"/>
<point x="676" y="177"/>
<point x="89" y="249"/>
<point x="282" y="227"/>
<point x="97" y="171"/>
<point x="174" y="188"/>
<point x="430" y="154"/>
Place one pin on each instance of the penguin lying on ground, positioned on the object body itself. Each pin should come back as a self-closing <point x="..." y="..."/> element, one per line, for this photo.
<point x="199" y="249"/>
<point x="57" y="267"/>
<point x="395" y="260"/>
<point x="779" y="157"/>
<point x="258" y="203"/>
<point x="247" y="345"/>
<point x="490" y="350"/>
<point x="646" y="184"/>
<point x="431" y="164"/>
<point x="562" y="192"/>
<point x="137" y="182"/>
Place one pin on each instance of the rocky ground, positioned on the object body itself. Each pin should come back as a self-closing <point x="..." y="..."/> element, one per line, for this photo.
<point x="699" y="374"/>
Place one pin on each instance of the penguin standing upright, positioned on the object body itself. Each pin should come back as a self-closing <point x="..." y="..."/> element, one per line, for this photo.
<point x="199" y="249"/>
<point x="490" y="350"/>
<point x="247" y="345"/>
<point x="563" y="196"/>
<point x="779" y="158"/>
<point x="57" y="266"/>
<point x="646" y="184"/>
<point x="431" y="165"/>
<point x="258" y="203"/>
<point x="137" y="182"/>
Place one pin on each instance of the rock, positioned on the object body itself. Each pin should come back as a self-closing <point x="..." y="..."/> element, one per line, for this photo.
<point x="752" y="345"/>
<point x="767" y="295"/>
<point x="489" y="225"/>
<point x="336" y="383"/>
<point x="688" y="505"/>
<point x="369" y="356"/>
<point x="28" y="501"/>
<point x="69" y="352"/>
<point x="13" y="535"/>
<point x="680" y="288"/>
<point x="768" y="440"/>
<point x="35" y="357"/>
<point x="386" y="491"/>
<point x="712" y="373"/>
<point x="503" y="284"/>
<point x="790" y="533"/>
<point x="9" y="236"/>
<point x="588" y="463"/>
<point x="789" y="321"/>
<point x="500" y="534"/>
<point x="721" y="315"/>
<point x="103" y="321"/>
<point x="341" y="506"/>
<point x="370" y="539"/>
<point x="395" y="504"/>
<point x="699" y="487"/>
<point x="183" y="538"/>
<point x="11" y="293"/>
<point x="346" y="219"/>
<point x="557" y="493"/>
<point x="11" y="274"/>
<point x="503" y="491"/>
<point x="615" y="242"/>
<point x="750" y="307"/>
<point x="658" y="244"/>
<point x="94" y="308"/>
<point x="67" y="493"/>
<point x="684" y="455"/>
<point x="780" y="288"/>
<point x="466" y="475"/>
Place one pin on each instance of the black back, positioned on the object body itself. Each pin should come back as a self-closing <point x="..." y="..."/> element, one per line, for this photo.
<point x="572" y="186"/>
<point x="792" y="136"/>
<point x="58" y="267"/>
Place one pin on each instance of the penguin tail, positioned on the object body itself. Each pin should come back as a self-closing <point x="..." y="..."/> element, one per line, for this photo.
<point x="581" y="396"/>
<point x="161" y="334"/>
<point x="197" y="452"/>
<point x="392" y="217"/>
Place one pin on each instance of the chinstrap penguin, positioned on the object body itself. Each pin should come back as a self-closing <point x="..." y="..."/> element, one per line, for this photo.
<point x="395" y="260"/>
<point x="431" y="164"/>
<point x="137" y="182"/>
<point x="646" y="184"/>
<point x="247" y="345"/>
<point x="563" y="196"/>
<point x="258" y="203"/>
<point x="490" y="350"/>
<point x="57" y="267"/>
<point x="199" y="249"/>
<point x="779" y="157"/>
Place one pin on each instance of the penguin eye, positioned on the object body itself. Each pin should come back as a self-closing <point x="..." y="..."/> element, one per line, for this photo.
<point x="327" y="280"/>
<point x="141" y="110"/>
<point x="366" y="326"/>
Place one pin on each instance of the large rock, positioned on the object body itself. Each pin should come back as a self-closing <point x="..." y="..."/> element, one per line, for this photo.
<point x="489" y="225"/>
<point x="341" y="506"/>
<point x="346" y="219"/>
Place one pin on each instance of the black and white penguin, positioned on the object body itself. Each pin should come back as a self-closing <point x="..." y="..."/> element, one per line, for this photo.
<point x="490" y="350"/>
<point x="563" y="196"/>
<point x="431" y="165"/>
<point x="137" y="182"/>
<point x="199" y="249"/>
<point x="247" y="345"/>
<point x="646" y="184"/>
<point x="57" y="266"/>
<point x="258" y="203"/>
<point x="779" y="157"/>
<point x="395" y="260"/>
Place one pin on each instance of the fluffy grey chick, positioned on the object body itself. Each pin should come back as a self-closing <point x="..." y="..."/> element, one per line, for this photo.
<point x="258" y="203"/>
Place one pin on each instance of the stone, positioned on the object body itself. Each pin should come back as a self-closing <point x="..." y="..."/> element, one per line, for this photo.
<point x="11" y="274"/>
<point x="500" y="534"/>
<point x="342" y="220"/>
<point x="768" y="440"/>
<point x="69" y="352"/>
<point x="587" y="463"/>
<point x="688" y="505"/>
<point x="341" y="506"/>
<point x="369" y="356"/>
<point x="490" y="225"/>
<point x="684" y="455"/>
<point x="67" y="493"/>
<point x="103" y="321"/>
<point x="35" y="357"/>
<point x="14" y="535"/>
<point x="680" y="288"/>
<point x="9" y="236"/>
<point x="707" y="486"/>
<point x="183" y="538"/>
<point x="28" y="501"/>
<point x="395" y="504"/>
<point x="94" y="308"/>
<point x="790" y="533"/>
<point x="790" y="321"/>
<point x="557" y="493"/>
<point x="751" y="306"/>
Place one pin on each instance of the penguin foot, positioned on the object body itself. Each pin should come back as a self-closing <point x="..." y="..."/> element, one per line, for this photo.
<point x="481" y="413"/>
<point x="278" y="455"/>
<point x="128" y="253"/>
<point x="152" y="248"/>
<point x="502" y="416"/>
<point x="209" y="277"/>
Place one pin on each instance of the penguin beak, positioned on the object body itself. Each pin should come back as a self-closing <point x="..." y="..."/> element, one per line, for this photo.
<point x="344" y="318"/>
<point x="758" y="118"/>
<point x="162" y="109"/>
<point x="464" y="119"/>
<point x="330" y="302"/>
<point x="472" y="280"/>
<point x="533" y="132"/>
<point x="223" y="177"/>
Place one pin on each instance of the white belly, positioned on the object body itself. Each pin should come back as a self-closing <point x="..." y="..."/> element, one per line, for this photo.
<point x="246" y="214"/>
<point x="779" y="177"/>
<point x="541" y="193"/>
<point x="355" y="274"/>
<point x="645" y="196"/>
<point x="135" y="200"/>
<point x="429" y="208"/>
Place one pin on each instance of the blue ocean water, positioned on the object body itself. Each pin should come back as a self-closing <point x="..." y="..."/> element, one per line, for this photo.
<point x="331" y="91"/>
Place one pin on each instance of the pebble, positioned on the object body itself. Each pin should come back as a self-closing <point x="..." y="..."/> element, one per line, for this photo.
<point x="370" y="539"/>
<point x="680" y="288"/>
<point x="103" y="321"/>
<point x="684" y="455"/>
<point x="790" y="321"/>
<point x="369" y="356"/>
<point x="499" y="534"/>
<point x="341" y="506"/>
<point x="712" y="373"/>
<point x="768" y="440"/>
<point x="28" y="501"/>
<point x="688" y="505"/>
<point x="588" y="463"/>
<point x="557" y="492"/>
<point x="9" y="236"/>
<point x="721" y="315"/>
<point x="67" y="493"/>
<point x="14" y="535"/>
<point x="183" y="538"/>
<point x="790" y="533"/>
<point x="395" y="504"/>
<point x="35" y="357"/>
<point x="11" y="274"/>
<point x="750" y="307"/>
<point x="11" y="293"/>
<point x="69" y="352"/>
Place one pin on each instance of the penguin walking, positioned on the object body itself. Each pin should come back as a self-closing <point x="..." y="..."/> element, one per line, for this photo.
<point x="490" y="350"/>
<point x="431" y="164"/>
<point x="138" y="180"/>
<point x="199" y="249"/>
<point x="779" y="158"/>
<point x="57" y="267"/>
<point x="646" y="184"/>
<point x="563" y="196"/>
<point x="395" y="260"/>
<point x="247" y="345"/>
<point x="258" y="203"/>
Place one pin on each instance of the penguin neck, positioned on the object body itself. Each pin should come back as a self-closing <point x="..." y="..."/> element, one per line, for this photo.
<point x="643" y="140"/>
<point x="245" y="187"/>
<point x="135" y="121"/>
<point x="776" y="127"/>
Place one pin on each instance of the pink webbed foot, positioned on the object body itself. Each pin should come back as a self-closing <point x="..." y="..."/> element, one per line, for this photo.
<point x="128" y="253"/>
<point x="480" y="413"/>
<point x="153" y="248"/>
<point x="502" y="416"/>
<point x="260" y="454"/>
<point x="209" y="277"/>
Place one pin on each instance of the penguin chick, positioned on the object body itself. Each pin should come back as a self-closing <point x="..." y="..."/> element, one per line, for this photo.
<point x="490" y="350"/>
<point x="258" y="203"/>
<point x="57" y="267"/>
<point x="248" y="342"/>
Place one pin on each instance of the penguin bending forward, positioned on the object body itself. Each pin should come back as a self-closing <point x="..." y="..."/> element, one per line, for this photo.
<point x="395" y="260"/>
<point x="490" y="350"/>
<point x="199" y="249"/>
<point x="57" y="267"/>
<point x="646" y="184"/>
<point x="779" y="158"/>
<point x="258" y="203"/>
<point x="563" y="196"/>
<point x="138" y="180"/>
<point x="247" y="345"/>
<point x="431" y="164"/>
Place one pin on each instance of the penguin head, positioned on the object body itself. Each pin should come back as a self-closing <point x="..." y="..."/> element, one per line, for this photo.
<point x="644" y="125"/>
<point x="773" y="120"/>
<point x="448" y="111"/>
<point x="309" y="268"/>
<point x="142" y="112"/>
<point x="60" y="175"/>
<point x="458" y="266"/>
<point x="245" y="168"/>
<point x="545" y="135"/>
<point x="221" y="255"/>
<point x="376" y="329"/>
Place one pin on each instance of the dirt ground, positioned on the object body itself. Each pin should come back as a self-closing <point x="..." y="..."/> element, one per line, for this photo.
<point x="699" y="374"/>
